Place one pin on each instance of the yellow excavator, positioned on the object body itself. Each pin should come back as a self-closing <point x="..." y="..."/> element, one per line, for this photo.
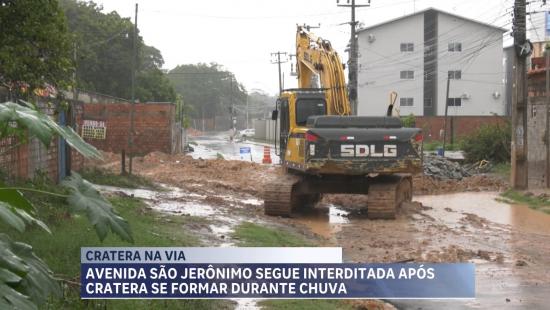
<point x="325" y="150"/>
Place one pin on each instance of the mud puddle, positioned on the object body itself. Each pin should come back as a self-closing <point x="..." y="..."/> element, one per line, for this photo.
<point x="324" y="220"/>
<point x="454" y="209"/>
<point x="220" y="214"/>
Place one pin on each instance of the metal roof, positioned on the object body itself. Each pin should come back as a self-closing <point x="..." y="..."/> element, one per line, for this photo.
<point x="427" y="10"/>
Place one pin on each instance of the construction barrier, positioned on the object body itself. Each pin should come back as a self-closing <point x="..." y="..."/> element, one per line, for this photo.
<point x="267" y="155"/>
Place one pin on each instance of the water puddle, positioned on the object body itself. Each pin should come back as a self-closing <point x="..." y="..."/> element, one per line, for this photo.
<point x="246" y="304"/>
<point x="451" y="208"/>
<point x="324" y="220"/>
<point x="187" y="208"/>
<point x="174" y="200"/>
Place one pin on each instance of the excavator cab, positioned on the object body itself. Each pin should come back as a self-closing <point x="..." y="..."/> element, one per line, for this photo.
<point x="294" y="107"/>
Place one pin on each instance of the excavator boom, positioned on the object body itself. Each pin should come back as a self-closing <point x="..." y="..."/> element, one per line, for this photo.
<point x="317" y="59"/>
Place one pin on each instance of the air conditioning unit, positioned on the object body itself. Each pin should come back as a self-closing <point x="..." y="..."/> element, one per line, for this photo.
<point x="465" y="96"/>
<point x="496" y="95"/>
<point x="371" y="38"/>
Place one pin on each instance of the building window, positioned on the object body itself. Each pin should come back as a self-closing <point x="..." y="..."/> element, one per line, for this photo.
<point x="455" y="47"/>
<point x="407" y="75"/>
<point x="407" y="47"/>
<point x="455" y="75"/>
<point x="428" y="102"/>
<point x="454" y="102"/>
<point x="406" y="102"/>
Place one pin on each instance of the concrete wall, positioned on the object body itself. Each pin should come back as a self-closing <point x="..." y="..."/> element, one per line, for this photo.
<point x="480" y="62"/>
<point x="537" y="142"/>
<point x="264" y="129"/>
<point x="380" y="63"/>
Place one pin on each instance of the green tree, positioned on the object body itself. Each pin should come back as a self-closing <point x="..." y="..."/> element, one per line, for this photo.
<point x="208" y="88"/>
<point x="103" y="45"/>
<point x="35" y="44"/>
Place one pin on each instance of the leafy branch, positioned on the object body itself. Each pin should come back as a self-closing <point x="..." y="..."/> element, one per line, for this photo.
<point x="25" y="280"/>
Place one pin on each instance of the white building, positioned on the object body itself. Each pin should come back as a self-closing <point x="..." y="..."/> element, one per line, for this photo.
<point x="413" y="55"/>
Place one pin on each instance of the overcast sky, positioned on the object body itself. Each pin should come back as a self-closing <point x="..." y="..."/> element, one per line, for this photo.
<point x="241" y="34"/>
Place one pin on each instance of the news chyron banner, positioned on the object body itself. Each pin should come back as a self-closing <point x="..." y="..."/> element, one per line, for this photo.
<point x="178" y="273"/>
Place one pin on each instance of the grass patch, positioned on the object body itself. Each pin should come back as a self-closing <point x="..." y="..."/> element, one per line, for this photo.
<point x="104" y="177"/>
<point x="534" y="202"/>
<point x="502" y="169"/>
<point x="306" y="304"/>
<point x="253" y="235"/>
<point x="61" y="250"/>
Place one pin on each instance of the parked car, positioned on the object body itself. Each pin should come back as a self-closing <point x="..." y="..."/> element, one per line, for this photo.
<point x="247" y="133"/>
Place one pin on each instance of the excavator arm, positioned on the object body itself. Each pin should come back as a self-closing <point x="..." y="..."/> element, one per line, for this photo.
<point x="315" y="56"/>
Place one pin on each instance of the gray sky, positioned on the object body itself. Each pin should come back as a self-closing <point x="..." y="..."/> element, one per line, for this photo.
<point x="241" y="34"/>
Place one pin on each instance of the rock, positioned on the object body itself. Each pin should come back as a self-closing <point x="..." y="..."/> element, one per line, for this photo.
<point x="521" y="263"/>
<point x="443" y="168"/>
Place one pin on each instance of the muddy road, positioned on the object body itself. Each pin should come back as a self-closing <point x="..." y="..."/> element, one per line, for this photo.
<point x="448" y="221"/>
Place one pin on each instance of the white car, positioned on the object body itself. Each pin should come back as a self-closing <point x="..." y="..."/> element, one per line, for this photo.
<point x="247" y="133"/>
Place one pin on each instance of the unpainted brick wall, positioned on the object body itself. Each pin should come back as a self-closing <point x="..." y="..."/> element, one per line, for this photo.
<point x="457" y="126"/>
<point x="27" y="160"/>
<point x="153" y="126"/>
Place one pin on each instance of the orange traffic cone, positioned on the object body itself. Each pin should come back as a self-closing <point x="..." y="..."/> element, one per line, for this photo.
<point x="267" y="155"/>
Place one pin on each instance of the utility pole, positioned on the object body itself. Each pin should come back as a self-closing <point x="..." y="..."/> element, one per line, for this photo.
<point x="279" y="62"/>
<point x="133" y="90"/>
<point x="547" y="110"/>
<point x="518" y="177"/>
<point x="247" y="111"/>
<point x="352" y="75"/>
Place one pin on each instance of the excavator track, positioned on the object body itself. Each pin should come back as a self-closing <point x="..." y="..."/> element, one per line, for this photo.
<point x="387" y="194"/>
<point x="281" y="197"/>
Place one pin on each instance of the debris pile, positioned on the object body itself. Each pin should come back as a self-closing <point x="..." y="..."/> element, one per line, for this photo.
<point x="442" y="168"/>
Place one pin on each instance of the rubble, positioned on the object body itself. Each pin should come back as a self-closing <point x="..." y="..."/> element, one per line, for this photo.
<point x="442" y="168"/>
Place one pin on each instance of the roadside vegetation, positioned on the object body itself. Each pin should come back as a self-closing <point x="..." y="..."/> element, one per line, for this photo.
<point x="103" y="177"/>
<point x="502" y="169"/>
<point x="536" y="202"/>
<point x="252" y="235"/>
<point x="61" y="251"/>
<point x="489" y="142"/>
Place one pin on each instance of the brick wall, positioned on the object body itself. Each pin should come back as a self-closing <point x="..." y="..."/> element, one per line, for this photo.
<point x="457" y="126"/>
<point x="153" y="126"/>
<point x="27" y="160"/>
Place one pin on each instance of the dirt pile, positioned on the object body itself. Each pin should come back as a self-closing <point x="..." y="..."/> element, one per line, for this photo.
<point x="426" y="185"/>
<point x="246" y="177"/>
<point x="199" y="174"/>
